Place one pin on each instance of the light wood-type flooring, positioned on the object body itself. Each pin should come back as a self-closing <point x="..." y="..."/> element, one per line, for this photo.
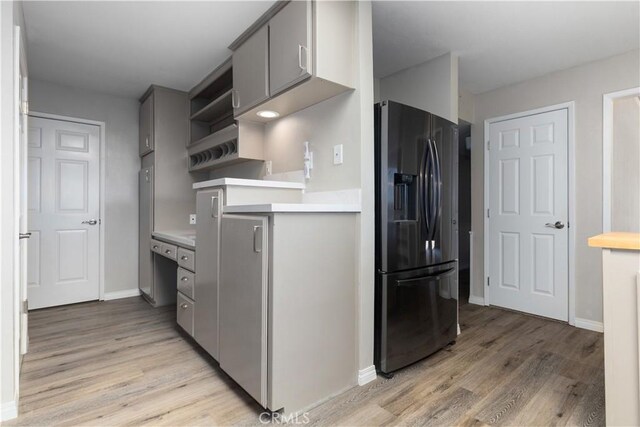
<point x="125" y="363"/>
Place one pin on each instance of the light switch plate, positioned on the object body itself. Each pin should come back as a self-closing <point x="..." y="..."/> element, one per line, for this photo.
<point x="192" y="219"/>
<point x="337" y="154"/>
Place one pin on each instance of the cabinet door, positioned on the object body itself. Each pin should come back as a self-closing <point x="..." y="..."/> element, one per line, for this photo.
<point x="290" y="46"/>
<point x="208" y="213"/>
<point x="251" y="72"/>
<point x="145" y="184"/>
<point x="146" y="126"/>
<point x="243" y="302"/>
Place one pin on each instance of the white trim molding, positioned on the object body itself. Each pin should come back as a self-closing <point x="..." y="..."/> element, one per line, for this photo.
<point x="607" y="150"/>
<point x="571" y="191"/>
<point x="476" y="300"/>
<point x="126" y="293"/>
<point x="8" y="410"/>
<point x="591" y="325"/>
<point x="103" y="179"/>
<point x="366" y="375"/>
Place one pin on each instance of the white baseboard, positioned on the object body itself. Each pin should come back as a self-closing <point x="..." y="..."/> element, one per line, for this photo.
<point x="127" y="293"/>
<point x="8" y="410"/>
<point x="366" y="375"/>
<point x="476" y="300"/>
<point x="591" y="325"/>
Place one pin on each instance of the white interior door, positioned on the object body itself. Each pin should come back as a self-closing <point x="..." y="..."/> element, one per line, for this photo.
<point x="528" y="214"/>
<point x="21" y="188"/>
<point x="64" y="212"/>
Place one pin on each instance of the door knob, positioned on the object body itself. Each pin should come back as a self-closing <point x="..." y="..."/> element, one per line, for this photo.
<point x="558" y="224"/>
<point x="90" y="222"/>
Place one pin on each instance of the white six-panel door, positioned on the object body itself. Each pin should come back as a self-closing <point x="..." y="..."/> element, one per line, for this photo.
<point x="64" y="201"/>
<point x="528" y="195"/>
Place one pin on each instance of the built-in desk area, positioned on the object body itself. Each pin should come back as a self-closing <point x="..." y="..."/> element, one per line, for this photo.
<point x="621" y="302"/>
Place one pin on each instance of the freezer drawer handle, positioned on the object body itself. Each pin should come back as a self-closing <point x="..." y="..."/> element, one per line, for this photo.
<point x="257" y="238"/>
<point x="417" y="280"/>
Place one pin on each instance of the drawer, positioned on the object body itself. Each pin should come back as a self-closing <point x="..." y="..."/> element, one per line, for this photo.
<point x="170" y="251"/>
<point x="184" y="316"/>
<point x="187" y="259"/>
<point x="156" y="246"/>
<point x="186" y="279"/>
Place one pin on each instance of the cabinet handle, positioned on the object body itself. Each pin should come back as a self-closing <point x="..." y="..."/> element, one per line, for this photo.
<point x="184" y="257"/>
<point x="184" y="279"/>
<point x="235" y="99"/>
<point x="214" y="207"/>
<point x="146" y="141"/>
<point x="167" y="251"/>
<point x="155" y="246"/>
<point x="306" y="57"/>
<point x="257" y="238"/>
<point x="184" y="306"/>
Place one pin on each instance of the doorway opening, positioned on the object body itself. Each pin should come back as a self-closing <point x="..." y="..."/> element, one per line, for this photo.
<point x="621" y="155"/>
<point x="464" y="210"/>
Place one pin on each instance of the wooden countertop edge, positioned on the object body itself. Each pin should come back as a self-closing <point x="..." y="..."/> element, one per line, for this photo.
<point x="616" y="240"/>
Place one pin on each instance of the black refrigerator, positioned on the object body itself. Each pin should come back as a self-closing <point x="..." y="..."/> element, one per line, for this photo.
<point x="416" y="296"/>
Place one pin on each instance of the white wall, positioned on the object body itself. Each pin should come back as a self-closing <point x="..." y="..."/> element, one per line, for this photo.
<point x="122" y="166"/>
<point x="585" y="85"/>
<point x="431" y="86"/>
<point x="625" y="174"/>
<point x="10" y="15"/>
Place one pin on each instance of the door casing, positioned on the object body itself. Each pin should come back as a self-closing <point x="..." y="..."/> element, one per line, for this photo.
<point x="103" y="221"/>
<point x="570" y="107"/>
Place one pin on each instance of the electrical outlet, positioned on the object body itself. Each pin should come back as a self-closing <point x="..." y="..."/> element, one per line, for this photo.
<point x="337" y="154"/>
<point x="192" y="219"/>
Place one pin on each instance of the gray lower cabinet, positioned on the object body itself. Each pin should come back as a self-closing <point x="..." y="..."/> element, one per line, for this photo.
<point x="290" y="46"/>
<point x="208" y="211"/>
<point x="243" y="303"/>
<point x="251" y="72"/>
<point x="145" y="271"/>
<point x="184" y="314"/>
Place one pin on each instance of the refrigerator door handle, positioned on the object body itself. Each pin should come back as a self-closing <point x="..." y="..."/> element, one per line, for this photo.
<point x="423" y="187"/>
<point x="415" y="281"/>
<point x="437" y="190"/>
<point x="433" y="188"/>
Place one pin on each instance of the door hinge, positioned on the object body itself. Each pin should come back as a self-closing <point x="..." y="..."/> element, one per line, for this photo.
<point x="24" y="107"/>
<point x="488" y="281"/>
<point x="488" y="213"/>
<point x="25" y="306"/>
<point x="489" y="145"/>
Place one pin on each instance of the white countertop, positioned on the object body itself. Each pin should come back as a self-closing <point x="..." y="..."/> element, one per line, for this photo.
<point x="292" y="207"/>
<point x="220" y="182"/>
<point x="185" y="238"/>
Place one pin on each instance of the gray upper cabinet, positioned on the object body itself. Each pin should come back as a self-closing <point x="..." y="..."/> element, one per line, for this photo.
<point x="290" y="45"/>
<point x="146" y="142"/>
<point x="302" y="51"/>
<point x="251" y="72"/>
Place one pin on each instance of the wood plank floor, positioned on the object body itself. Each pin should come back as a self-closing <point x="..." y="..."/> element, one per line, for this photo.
<point x="125" y="363"/>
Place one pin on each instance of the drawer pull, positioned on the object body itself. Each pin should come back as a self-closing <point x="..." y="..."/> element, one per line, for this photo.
<point x="184" y="279"/>
<point x="184" y="306"/>
<point x="184" y="257"/>
<point x="155" y="246"/>
<point x="167" y="251"/>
